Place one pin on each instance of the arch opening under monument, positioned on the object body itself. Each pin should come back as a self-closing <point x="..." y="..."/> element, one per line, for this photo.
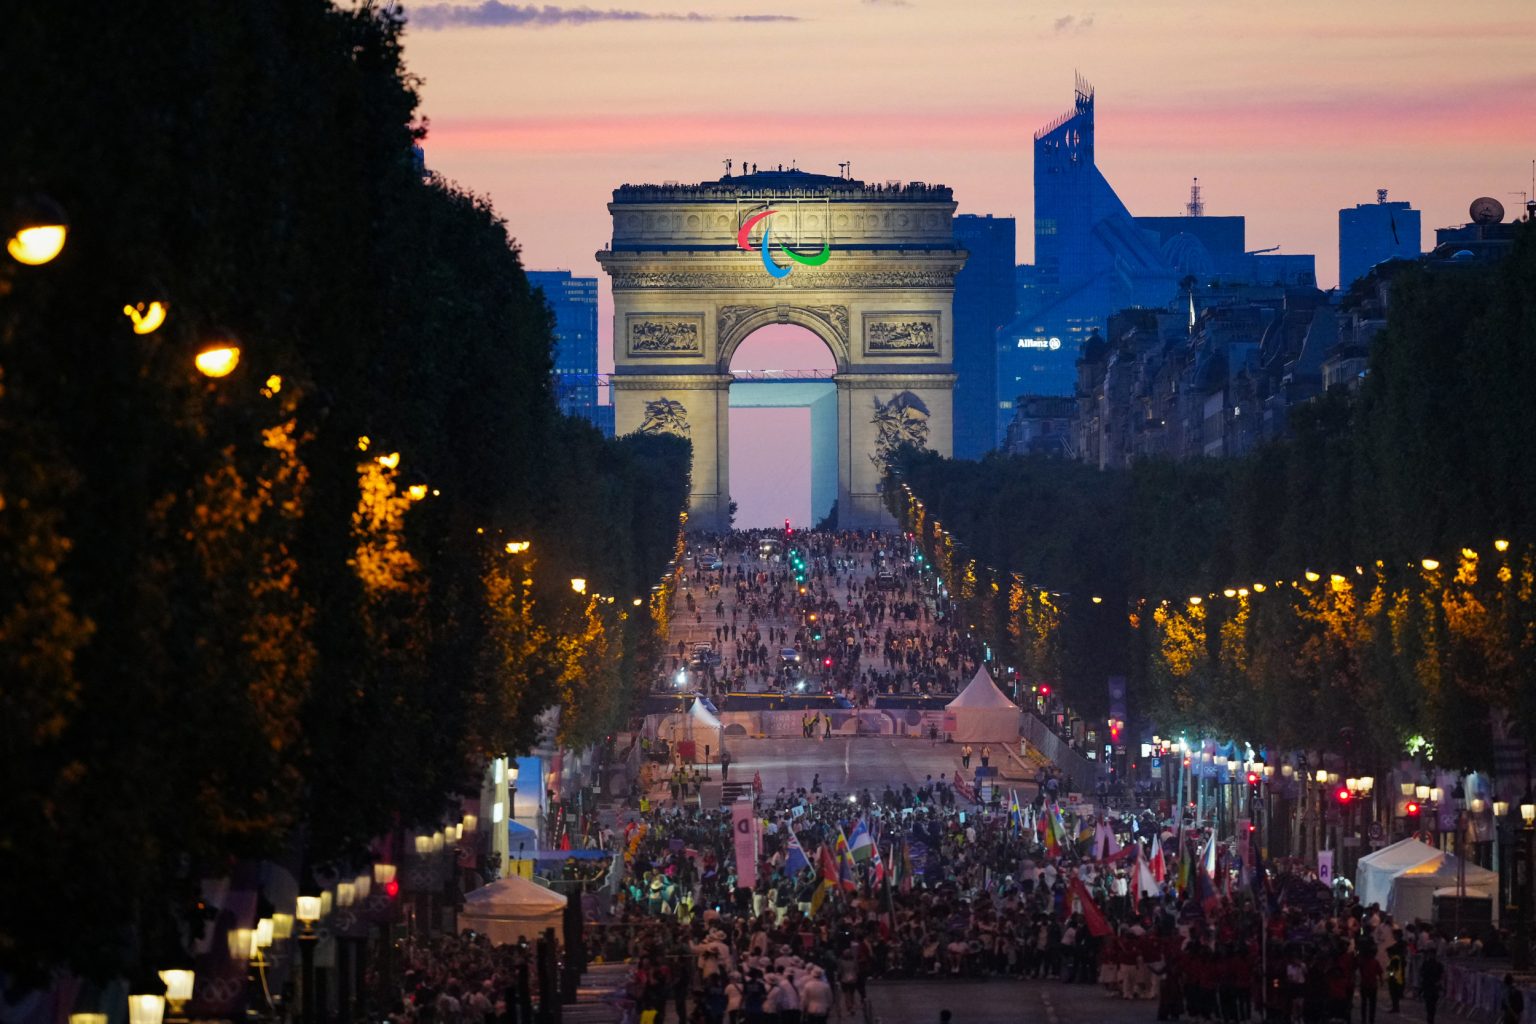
<point x="783" y="428"/>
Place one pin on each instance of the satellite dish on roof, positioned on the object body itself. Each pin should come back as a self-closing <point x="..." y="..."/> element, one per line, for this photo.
<point x="1487" y="210"/>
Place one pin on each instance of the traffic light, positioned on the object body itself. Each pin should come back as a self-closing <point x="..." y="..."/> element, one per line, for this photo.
<point x="827" y="662"/>
<point x="392" y="888"/>
<point x="1342" y="795"/>
<point x="1411" y="810"/>
<point x="1253" y="778"/>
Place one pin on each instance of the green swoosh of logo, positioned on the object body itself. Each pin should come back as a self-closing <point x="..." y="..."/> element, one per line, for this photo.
<point x="809" y="261"/>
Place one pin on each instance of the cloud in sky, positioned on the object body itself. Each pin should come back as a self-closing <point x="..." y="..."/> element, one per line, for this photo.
<point x="495" y="14"/>
<point x="1071" y="23"/>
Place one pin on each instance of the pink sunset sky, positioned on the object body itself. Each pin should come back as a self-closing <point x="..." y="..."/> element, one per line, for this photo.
<point x="1285" y="111"/>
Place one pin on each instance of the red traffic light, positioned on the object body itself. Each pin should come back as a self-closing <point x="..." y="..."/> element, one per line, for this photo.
<point x="827" y="662"/>
<point x="1253" y="778"/>
<point x="1412" y="809"/>
<point x="1045" y="690"/>
<point x="392" y="888"/>
<point x="1342" y="796"/>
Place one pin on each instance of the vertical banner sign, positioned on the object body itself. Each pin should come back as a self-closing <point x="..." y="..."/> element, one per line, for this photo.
<point x="744" y="827"/>
<point x="1325" y="867"/>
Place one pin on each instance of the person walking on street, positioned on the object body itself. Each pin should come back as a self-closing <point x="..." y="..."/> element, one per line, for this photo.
<point x="965" y="756"/>
<point x="1397" y="970"/>
<point x="1430" y="975"/>
<point x="1370" y="983"/>
<point x="986" y="755"/>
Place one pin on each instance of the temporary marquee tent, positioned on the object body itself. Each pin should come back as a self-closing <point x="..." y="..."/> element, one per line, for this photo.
<point x="1402" y="879"/>
<point x="981" y="713"/>
<point x="512" y="908"/>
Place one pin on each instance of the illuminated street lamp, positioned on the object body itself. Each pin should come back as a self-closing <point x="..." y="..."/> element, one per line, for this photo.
<point x="178" y="987"/>
<point x="218" y="359"/>
<point x="38" y="230"/>
<point x="308" y="912"/>
<point x="578" y="584"/>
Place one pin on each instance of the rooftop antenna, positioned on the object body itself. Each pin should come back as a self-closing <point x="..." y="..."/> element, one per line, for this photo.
<point x="846" y="168"/>
<point x="1196" y="205"/>
<point x="727" y="167"/>
<point x="1381" y="196"/>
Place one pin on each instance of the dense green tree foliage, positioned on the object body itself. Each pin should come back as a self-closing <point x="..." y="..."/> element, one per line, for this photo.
<point x="1434" y="458"/>
<point x="273" y="610"/>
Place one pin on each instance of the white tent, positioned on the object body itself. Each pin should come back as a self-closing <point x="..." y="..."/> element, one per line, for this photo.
<point x="1404" y="877"/>
<point x="981" y="713"/>
<point x="512" y="908"/>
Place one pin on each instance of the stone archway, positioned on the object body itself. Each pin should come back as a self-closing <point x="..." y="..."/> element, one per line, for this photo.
<point x="880" y="296"/>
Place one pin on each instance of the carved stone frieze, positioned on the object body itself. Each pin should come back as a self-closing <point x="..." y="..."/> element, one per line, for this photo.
<point x="943" y="277"/>
<point x="665" y="335"/>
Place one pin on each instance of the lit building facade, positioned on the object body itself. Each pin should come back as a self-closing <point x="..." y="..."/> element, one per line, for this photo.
<point x="984" y="303"/>
<point x="1373" y="232"/>
<point x="573" y="300"/>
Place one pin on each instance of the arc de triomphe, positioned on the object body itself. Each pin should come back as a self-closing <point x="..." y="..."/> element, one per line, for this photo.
<point x="870" y="269"/>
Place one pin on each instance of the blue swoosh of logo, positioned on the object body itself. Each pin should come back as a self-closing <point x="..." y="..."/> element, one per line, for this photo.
<point x="773" y="268"/>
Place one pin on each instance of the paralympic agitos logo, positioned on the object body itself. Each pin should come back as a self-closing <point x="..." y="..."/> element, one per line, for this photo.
<point x="773" y="268"/>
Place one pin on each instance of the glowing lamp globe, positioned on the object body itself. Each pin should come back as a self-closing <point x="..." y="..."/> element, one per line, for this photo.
<point x="38" y="230"/>
<point x="146" y="1009"/>
<point x="218" y="359"/>
<point x="308" y="909"/>
<point x="146" y="317"/>
<point x="178" y="987"/>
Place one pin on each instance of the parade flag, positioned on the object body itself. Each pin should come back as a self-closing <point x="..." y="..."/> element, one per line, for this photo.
<point x="845" y="872"/>
<point x="828" y="865"/>
<point x="1186" y="867"/>
<point x="860" y="843"/>
<point x="1105" y="846"/>
<point x="1146" y="880"/>
<point x="1157" y="862"/>
<point x="795" y="860"/>
<point x="877" y="866"/>
<point x="1208" y="856"/>
<point x="1093" y="917"/>
<point x="906" y="867"/>
<point x="1015" y="816"/>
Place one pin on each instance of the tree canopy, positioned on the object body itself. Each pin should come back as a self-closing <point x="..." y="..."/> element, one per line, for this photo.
<point x="1376" y="567"/>
<point x="277" y="608"/>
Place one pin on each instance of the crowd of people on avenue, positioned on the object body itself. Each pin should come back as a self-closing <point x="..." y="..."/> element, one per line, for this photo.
<point x="927" y="881"/>
<point x="851" y="611"/>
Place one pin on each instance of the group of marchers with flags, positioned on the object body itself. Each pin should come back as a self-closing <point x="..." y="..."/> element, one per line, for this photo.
<point x="1131" y="859"/>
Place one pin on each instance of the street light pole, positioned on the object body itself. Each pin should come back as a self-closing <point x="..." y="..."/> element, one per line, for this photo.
<point x="1520" y="955"/>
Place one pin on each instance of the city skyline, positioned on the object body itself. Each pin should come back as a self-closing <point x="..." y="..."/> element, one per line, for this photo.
<point x="547" y="111"/>
<point x="547" y="118"/>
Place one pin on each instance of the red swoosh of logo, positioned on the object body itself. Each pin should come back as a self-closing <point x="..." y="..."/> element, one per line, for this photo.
<point x="746" y="228"/>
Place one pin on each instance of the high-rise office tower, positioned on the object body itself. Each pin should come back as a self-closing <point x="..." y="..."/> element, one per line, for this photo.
<point x="1373" y="232"/>
<point x="1091" y="259"/>
<point x="574" y="303"/>
<point x="984" y="302"/>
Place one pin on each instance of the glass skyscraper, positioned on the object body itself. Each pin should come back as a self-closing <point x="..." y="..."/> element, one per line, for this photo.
<point x="573" y="300"/>
<point x="1091" y="259"/>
